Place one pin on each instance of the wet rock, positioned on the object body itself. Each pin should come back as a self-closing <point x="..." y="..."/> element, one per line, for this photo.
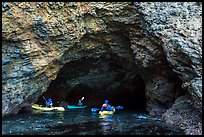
<point x="183" y="56"/>
<point x="159" y="41"/>
<point x="5" y="60"/>
<point x="25" y="107"/>
<point x="182" y="114"/>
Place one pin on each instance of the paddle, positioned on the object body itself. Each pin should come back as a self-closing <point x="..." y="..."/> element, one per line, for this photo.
<point x="96" y="109"/>
<point x="44" y="98"/>
<point x="80" y="103"/>
<point x="119" y="107"/>
<point x="82" y="98"/>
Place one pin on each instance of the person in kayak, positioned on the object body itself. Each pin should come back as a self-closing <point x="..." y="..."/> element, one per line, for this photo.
<point x="49" y="103"/>
<point x="80" y="103"/>
<point x="106" y="106"/>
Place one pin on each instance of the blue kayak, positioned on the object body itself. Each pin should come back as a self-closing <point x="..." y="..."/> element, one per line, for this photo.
<point x="74" y="107"/>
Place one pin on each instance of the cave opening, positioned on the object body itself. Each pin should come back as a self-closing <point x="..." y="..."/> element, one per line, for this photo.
<point x="97" y="79"/>
<point x="100" y="66"/>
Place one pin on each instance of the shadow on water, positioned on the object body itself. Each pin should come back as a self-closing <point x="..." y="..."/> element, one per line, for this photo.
<point x="84" y="122"/>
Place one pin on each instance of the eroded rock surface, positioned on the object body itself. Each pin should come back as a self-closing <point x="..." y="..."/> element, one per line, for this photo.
<point x="177" y="26"/>
<point x="115" y="42"/>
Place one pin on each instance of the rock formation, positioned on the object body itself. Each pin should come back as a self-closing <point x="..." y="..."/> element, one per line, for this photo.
<point x="105" y="48"/>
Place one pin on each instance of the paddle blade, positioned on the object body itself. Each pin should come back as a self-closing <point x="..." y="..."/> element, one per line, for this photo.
<point x="119" y="107"/>
<point x="94" y="109"/>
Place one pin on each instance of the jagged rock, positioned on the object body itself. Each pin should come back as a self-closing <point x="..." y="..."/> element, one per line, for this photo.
<point x="181" y="40"/>
<point x="182" y="114"/>
<point x="115" y="42"/>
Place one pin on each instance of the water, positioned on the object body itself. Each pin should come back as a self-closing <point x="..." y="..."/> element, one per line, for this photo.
<point x="85" y="122"/>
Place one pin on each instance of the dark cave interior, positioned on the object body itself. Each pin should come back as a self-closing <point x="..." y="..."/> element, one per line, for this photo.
<point x="129" y="91"/>
<point x="107" y="72"/>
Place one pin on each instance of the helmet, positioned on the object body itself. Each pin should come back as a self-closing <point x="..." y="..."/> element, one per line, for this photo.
<point x="50" y="99"/>
<point x="104" y="105"/>
<point x="106" y="101"/>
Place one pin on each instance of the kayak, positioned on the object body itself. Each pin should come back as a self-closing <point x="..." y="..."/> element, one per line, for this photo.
<point x="39" y="107"/>
<point x="103" y="113"/>
<point x="74" y="107"/>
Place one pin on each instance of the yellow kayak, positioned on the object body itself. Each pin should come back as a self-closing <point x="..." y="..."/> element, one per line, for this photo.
<point x="39" y="107"/>
<point x="103" y="113"/>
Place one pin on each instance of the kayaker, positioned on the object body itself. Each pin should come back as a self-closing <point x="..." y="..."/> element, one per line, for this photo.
<point x="106" y="106"/>
<point x="49" y="103"/>
<point x="80" y="103"/>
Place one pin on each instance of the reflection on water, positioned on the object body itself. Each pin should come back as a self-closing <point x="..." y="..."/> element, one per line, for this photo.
<point x="84" y="122"/>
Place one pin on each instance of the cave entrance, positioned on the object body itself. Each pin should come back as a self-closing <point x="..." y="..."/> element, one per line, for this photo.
<point x="98" y="79"/>
<point x="101" y="66"/>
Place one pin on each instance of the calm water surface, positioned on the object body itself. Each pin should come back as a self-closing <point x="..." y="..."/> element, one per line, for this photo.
<point x="85" y="122"/>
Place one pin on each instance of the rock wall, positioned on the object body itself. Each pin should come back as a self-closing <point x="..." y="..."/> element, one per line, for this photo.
<point x="178" y="29"/>
<point x="159" y="41"/>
